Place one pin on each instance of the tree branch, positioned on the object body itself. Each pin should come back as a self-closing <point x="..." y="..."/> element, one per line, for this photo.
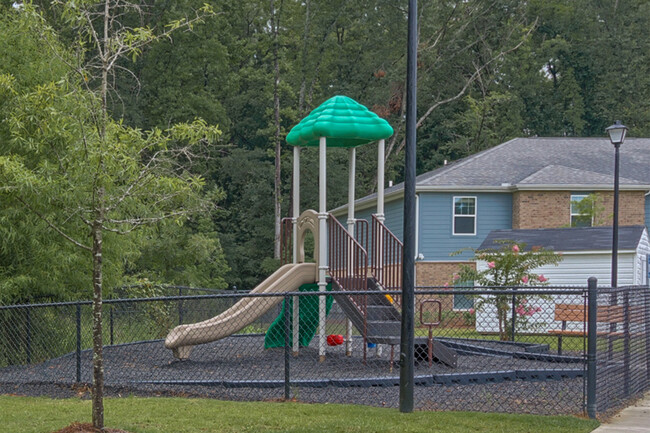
<point x="52" y="226"/>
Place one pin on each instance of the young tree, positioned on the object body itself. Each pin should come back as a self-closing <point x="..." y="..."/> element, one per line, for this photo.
<point x="88" y="177"/>
<point x="512" y="265"/>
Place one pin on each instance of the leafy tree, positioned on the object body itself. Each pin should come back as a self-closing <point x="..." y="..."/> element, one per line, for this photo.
<point x="512" y="265"/>
<point x="86" y="176"/>
<point x="193" y="254"/>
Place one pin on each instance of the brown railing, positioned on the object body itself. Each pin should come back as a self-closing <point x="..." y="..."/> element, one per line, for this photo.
<point x="286" y="244"/>
<point x="361" y="232"/>
<point x="387" y="253"/>
<point x="348" y="266"/>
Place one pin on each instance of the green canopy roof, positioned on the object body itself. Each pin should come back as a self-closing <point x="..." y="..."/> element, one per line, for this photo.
<point x="344" y="122"/>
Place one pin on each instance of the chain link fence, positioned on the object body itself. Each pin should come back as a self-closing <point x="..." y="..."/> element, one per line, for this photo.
<point x="622" y="346"/>
<point x="480" y="349"/>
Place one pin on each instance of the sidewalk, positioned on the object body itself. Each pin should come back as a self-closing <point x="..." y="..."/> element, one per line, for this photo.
<point x="632" y="419"/>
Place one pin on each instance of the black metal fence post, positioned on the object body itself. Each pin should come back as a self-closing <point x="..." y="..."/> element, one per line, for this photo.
<point x="78" y="343"/>
<point x="28" y="342"/>
<point x="626" y="343"/>
<point x="592" y="328"/>
<point x="514" y="315"/>
<point x="287" y="350"/>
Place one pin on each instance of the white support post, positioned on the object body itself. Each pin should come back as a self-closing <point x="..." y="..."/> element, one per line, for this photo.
<point x="379" y="249"/>
<point x="322" y="255"/>
<point x="296" y="212"/>
<point x="351" y="224"/>
<point x="379" y="246"/>
<point x="381" y="152"/>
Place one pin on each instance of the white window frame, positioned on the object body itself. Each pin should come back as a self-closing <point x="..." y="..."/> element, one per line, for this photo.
<point x="579" y="197"/>
<point x="454" y="216"/>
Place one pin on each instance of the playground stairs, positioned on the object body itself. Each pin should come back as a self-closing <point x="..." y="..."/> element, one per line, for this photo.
<point x="382" y="321"/>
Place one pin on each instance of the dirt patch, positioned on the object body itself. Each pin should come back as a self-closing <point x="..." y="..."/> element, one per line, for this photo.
<point x="77" y="427"/>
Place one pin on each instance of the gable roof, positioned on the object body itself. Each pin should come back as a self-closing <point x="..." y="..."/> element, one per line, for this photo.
<point x="563" y="175"/>
<point x="568" y="239"/>
<point x="548" y="163"/>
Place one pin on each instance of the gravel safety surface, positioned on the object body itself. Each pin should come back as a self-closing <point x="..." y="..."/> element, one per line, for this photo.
<point x="220" y="369"/>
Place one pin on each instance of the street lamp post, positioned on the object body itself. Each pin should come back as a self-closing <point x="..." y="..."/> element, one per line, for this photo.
<point x="617" y="136"/>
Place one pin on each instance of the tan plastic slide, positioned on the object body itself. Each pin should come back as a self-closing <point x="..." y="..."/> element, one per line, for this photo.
<point x="288" y="278"/>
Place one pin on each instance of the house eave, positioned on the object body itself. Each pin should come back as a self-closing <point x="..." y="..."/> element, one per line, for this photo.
<point x="505" y="188"/>
<point x="579" y="187"/>
<point x="594" y="252"/>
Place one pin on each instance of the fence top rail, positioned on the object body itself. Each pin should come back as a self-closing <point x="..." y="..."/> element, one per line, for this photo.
<point x="622" y="289"/>
<point x="240" y="295"/>
<point x="517" y="288"/>
<point x="174" y="287"/>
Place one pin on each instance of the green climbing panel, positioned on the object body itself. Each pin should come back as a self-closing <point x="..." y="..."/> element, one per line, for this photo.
<point x="308" y="318"/>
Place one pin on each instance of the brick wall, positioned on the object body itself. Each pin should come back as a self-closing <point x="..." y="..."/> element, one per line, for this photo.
<point x="437" y="274"/>
<point x="552" y="209"/>
<point x="540" y="209"/>
<point x="631" y="211"/>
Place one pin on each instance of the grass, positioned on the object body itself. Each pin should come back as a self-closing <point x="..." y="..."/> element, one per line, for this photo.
<point x="179" y="415"/>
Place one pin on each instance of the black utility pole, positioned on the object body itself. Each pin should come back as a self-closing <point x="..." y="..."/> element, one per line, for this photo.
<point x="408" y="273"/>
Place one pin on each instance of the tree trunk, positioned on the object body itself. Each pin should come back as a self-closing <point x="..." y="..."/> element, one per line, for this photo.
<point x="303" y="82"/>
<point x="275" y="23"/>
<point x="98" y="358"/>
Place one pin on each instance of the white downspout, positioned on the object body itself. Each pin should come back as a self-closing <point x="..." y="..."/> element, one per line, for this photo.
<point x="417" y="237"/>
<point x="322" y="245"/>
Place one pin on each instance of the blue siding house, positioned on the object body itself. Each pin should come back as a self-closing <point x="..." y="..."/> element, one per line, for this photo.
<point x="525" y="183"/>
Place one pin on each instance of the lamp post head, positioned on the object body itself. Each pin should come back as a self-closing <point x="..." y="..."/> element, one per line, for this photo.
<point x="617" y="133"/>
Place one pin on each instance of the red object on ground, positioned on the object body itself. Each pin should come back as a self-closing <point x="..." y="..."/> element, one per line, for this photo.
<point x="334" y="339"/>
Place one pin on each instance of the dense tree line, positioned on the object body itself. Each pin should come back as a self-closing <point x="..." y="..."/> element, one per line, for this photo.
<point x="489" y="70"/>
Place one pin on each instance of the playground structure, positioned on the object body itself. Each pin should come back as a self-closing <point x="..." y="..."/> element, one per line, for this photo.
<point x="338" y="122"/>
<point x="360" y="262"/>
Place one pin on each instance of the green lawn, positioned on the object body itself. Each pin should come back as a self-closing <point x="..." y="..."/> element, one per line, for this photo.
<point x="179" y="415"/>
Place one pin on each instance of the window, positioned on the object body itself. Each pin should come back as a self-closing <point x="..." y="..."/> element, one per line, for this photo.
<point x="464" y="216"/>
<point x="463" y="302"/>
<point x="581" y="212"/>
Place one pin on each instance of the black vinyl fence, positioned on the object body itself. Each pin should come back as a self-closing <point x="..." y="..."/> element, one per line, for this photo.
<point x="522" y="350"/>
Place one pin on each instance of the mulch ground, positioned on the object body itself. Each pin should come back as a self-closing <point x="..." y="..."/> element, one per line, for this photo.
<point x="148" y="369"/>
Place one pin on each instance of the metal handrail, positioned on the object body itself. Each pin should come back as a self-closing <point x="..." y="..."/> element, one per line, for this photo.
<point x="348" y="267"/>
<point x="362" y="233"/>
<point x="387" y="256"/>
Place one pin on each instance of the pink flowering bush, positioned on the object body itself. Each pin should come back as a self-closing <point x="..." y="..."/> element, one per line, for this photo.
<point x="511" y="265"/>
<point x="469" y="317"/>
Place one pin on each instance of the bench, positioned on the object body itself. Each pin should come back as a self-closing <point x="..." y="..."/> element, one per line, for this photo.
<point x="611" y="314"/>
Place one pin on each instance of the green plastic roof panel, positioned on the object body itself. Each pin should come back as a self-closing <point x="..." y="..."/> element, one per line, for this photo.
<point x="344" y="122"/>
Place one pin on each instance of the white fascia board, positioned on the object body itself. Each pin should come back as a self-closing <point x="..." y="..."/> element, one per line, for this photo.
<point x="467" y="189"/>
<point x="365" y="204"/>
<point x="593" y="252"/>
<point x="594" y="187"/>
